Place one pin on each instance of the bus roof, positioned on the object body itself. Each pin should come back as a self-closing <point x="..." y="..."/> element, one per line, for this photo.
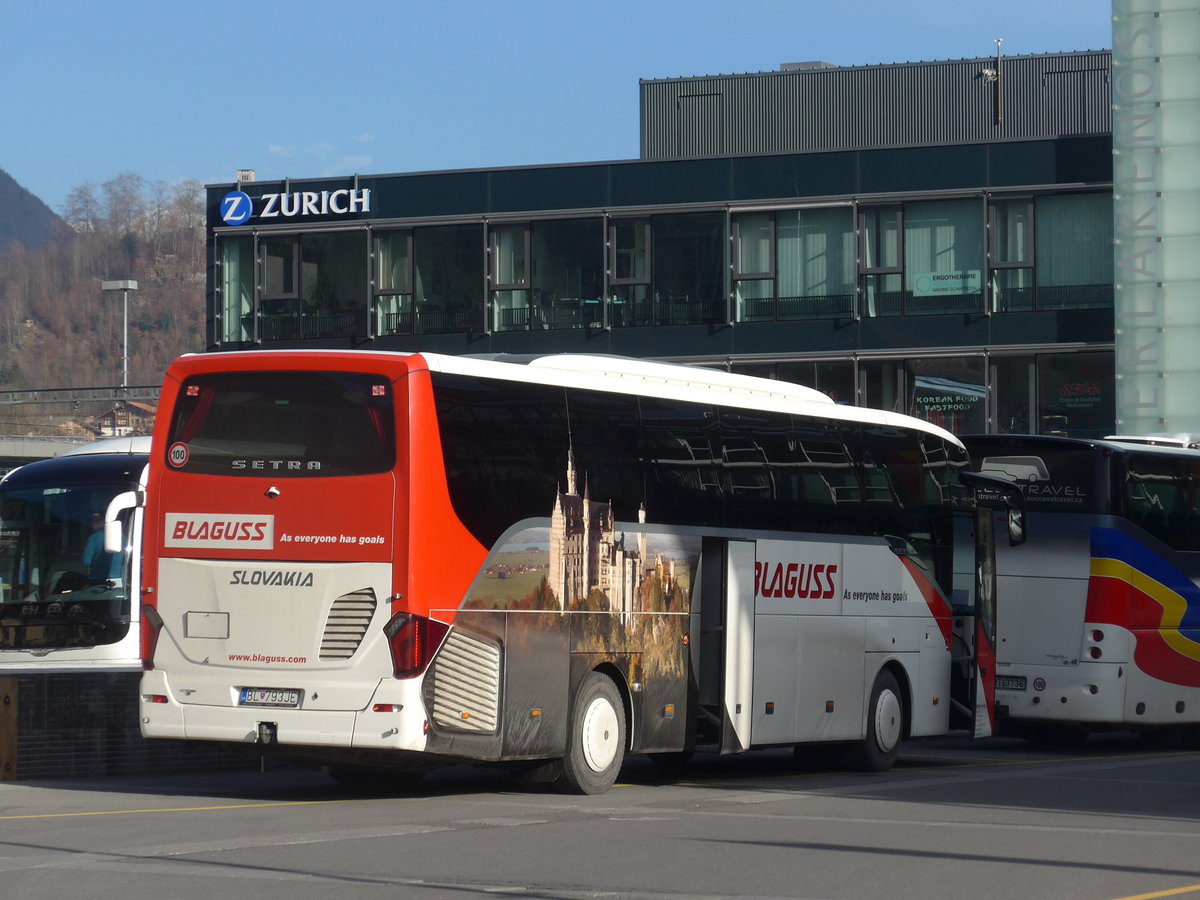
<point x="131" y="444"/>
<point x="600" y="372"/>
<point x="1186" y="441"/>
<point x="1031" y="442"/>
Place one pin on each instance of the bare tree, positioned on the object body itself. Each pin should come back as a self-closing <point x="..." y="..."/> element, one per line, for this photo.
<point x="82" y="208"/>
<point x="124" y="197"/>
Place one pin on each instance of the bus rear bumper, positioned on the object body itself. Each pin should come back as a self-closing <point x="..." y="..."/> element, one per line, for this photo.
<point x="1084" y="693"/>
<point x="389" y="726"/>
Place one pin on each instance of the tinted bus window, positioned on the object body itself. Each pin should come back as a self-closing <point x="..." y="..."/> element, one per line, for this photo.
<point x="606" y="441"/>
<point x="1159" y="494"/>
<point x="830" y="480"/>
<point x="683" y="446"/>
<point x="285" y="425"/>
<point x="503" y="444"/>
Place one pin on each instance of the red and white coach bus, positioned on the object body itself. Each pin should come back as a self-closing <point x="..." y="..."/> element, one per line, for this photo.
<point x="376" y="559"/>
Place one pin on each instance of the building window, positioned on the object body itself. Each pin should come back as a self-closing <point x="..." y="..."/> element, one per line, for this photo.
<point x="314" y="286"/>
<point x="881" y="255"/>
<point x="949" y="392"/>
<point x="1075" y="393"/>
<point x="448" y="279"/>
<point x="629" y="271"/>
<point x="879" y="385"/>
<point x="1074" y="251"/>
<point x="508" y="247"/>
<point x="393" y="283"/>
<point x="689" y="264"/>
<point x="568" y="273"/>
<point x="547" y="275"/>
<point x="1010" y="249"/>
<point x="280" y="263"/>
<point x="754" y="267"/>
<point x="794" y="264"/>
<point x="237" y="289"/>
<point x="1012" y="392"/>
<point x="835" y="379"/>
<point x="943" y="257"/>
<point x="686" y="270"/>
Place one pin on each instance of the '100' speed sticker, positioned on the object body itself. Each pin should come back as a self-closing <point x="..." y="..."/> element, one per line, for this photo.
<point x="178" y="455"/>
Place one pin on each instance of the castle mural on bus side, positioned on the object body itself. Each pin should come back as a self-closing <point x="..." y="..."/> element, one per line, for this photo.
<point x="619" y="591"/>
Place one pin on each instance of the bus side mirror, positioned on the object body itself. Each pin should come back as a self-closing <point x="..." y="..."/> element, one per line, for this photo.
<point x="1016" y="525"/>
<point x="114" y="539"/>
<point x="994" y="492"/>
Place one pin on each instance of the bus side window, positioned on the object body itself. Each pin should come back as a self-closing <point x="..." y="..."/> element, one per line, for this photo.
<point x="1158" y="498"/>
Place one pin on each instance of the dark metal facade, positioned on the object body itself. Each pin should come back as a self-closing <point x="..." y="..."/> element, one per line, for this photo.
<point x="885" y="106"/>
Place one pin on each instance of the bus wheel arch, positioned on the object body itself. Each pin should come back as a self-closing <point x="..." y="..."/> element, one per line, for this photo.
<point x="887" y="721"/>
<point x="597" y="738"/>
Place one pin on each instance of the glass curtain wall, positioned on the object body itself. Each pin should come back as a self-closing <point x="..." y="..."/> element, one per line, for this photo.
<point x="1075" y="393"/>
<point x="835" y="379"/>
<point x="1012" y="396"/>
<point x="629" y="271"/>
<point x="568" y="273"/>
<point x="448" y="279"/>
<point x="509" y="249"/>
<point x="816" y="263"/>
<point x="1074" y="251"/>
<point x="943" y="257"/>
<point x="279" y="315"/>
<point x="794" y="264"/>
<point x="393" y="283"/>
<point x="237" y="289"/>
<point x="881" y="249"/>
<point x="689" y="262"/>
<point x="754" y="267"/>
<point x="949" y="392"/>
<point x="314" y="285"/>
<point x="1012" y="255"/>
<point x="333" y="284"/>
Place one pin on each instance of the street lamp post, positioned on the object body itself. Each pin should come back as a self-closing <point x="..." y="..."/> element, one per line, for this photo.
<point x="124" y="287"/>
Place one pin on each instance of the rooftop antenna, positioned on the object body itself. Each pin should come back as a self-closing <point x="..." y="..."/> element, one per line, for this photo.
<point x="999" y="103"/>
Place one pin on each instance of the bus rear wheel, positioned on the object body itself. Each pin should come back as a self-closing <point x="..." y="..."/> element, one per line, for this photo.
<point x="596" y="742"/>
<point x="885" y="726"/>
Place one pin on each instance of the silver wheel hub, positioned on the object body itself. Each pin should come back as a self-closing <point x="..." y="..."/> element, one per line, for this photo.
<point x="888" y="721"/>
<point x="600" y="734"/>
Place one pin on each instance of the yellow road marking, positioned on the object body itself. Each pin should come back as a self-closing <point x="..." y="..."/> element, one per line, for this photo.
<point x="1171" y="893"/>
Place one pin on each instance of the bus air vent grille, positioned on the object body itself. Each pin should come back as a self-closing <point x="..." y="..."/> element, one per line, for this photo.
<point x="348" y="620"/>
<point x="465" y="682"/>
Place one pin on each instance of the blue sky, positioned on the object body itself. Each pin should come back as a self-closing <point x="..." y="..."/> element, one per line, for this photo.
<point x="297" y="88"/>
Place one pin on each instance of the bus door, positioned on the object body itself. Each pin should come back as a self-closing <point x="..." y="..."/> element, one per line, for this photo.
<point x="973" y="631"/>
<point x="726" y="659"/>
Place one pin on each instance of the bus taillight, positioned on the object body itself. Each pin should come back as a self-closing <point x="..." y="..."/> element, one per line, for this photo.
<point x="152" y="624"/>
<point x="412" y="640"/>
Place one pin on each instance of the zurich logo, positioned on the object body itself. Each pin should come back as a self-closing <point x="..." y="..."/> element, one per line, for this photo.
<point x="236" y="208"/>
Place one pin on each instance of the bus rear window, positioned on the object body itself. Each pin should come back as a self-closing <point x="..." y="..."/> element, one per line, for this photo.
<point x="283" y="425"/>
<point x="1053" y="479"/>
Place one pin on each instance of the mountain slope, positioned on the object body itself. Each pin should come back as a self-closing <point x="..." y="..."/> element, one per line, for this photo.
<point x="25" y="219"/>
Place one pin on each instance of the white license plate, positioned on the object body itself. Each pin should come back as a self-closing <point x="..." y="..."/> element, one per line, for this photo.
<point x="1010" y="682"/>
<point x="269" y="697"/>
